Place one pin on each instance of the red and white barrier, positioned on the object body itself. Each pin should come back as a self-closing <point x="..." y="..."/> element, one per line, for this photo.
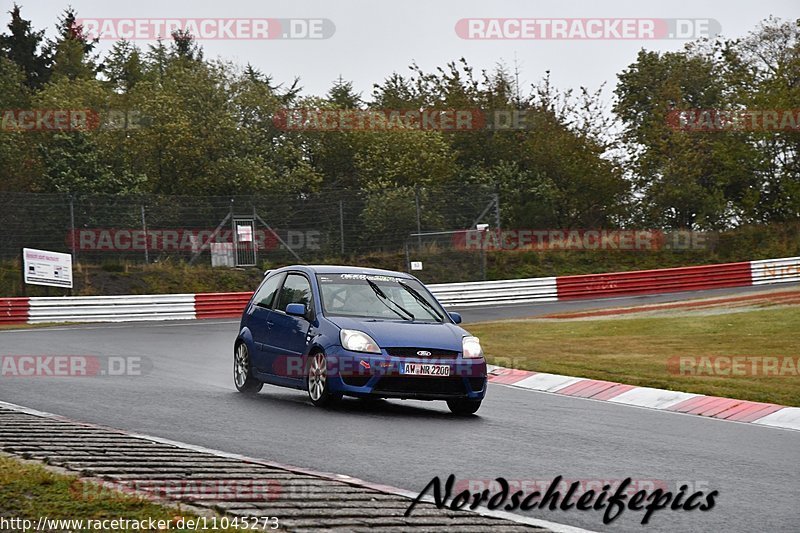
<point x="13" y="311"/>
<point x="768" y="414"/>
<point x="775" y="270"/>
<point x="111" y="308"/>
<point x="654" y="281"/>
<point x="485" y="293"/>
<point x="220" y="304"/>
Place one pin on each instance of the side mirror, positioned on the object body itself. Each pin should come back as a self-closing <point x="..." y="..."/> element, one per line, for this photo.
<point x="456" y="317"/>
<point x="296" y="310"/>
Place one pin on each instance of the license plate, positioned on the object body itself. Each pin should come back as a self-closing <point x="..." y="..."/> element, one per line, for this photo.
<point x="425" y="369"/>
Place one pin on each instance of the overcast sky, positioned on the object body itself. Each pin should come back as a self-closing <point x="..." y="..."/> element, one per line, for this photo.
<point x="374" y="38"/>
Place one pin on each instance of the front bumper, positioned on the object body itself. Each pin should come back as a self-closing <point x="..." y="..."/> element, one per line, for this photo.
<point x="381" y="376"/>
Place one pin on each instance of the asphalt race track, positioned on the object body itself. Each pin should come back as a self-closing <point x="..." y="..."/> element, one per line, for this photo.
<point x="189" y="396"/>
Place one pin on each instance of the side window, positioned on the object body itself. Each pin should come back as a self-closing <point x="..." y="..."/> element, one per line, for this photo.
<point x="266" y="293"/>
<point x="296" y="290"/>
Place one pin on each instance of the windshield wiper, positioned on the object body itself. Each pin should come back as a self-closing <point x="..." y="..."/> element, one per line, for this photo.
<point x="382" y="294"/>
<point x="425" y="303"/>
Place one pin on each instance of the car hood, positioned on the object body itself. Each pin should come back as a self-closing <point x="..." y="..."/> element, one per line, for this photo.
<point x="405" y="333"/>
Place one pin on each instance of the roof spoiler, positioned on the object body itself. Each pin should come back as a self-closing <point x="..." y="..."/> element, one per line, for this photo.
<point x="266" y="273"/>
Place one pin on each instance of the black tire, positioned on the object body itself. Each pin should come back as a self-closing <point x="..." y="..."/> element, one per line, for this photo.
<point x="317" y="383"/>
<point x="463" y="407"/>
<point x="243" y="371"/>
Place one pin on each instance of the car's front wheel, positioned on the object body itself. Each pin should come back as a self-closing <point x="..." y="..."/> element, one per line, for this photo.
<point x="463" y="407"/>
<point x="318" y="383"/>
<point x="242" y="372"/>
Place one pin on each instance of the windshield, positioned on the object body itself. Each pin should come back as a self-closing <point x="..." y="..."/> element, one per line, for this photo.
<point x="377" y="297"/>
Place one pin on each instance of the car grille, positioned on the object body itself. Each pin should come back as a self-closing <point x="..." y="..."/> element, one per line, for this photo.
<point x="356" y="381"/>
<point x="420" y="385"/>
<point x="412" y="352"/>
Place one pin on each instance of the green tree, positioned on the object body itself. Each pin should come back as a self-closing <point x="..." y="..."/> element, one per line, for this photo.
<point x="124" y="66"/>
<point x="343" y="96"/>
<point x="208" y="129"/>
<point x="185" y="47"/>
<point x="333" y="152"/>
<point x="684" y="178"/>
<point x="555" y="170"/>
<point x="763" y="69"/>
<point x="84" y="160"/>
<point x="19" y="161"/>
<point x="72" y="164"/>
<point x="72" y="52"/>
<point x="284" y="167"/>
<point x="27" y="49"/>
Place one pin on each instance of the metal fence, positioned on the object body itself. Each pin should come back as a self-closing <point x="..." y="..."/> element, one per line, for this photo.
<point x="325" y="226"/>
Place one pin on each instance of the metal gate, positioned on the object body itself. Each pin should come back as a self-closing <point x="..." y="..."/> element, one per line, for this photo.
<point x="244" y="238"/>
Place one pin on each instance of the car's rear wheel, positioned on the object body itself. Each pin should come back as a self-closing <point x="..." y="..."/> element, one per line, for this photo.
<point x="463" y="407"/>
<point x="242" y="371"/>
<point x="318" y="383"/>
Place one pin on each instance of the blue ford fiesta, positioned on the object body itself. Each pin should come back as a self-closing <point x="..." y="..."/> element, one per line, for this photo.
<point x="337" y="330"/>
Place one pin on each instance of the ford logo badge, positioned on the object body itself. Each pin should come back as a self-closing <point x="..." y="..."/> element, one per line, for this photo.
<point x="424" y="353"/>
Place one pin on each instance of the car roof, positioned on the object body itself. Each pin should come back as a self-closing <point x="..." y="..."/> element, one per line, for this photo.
<point x="344" y="269"/>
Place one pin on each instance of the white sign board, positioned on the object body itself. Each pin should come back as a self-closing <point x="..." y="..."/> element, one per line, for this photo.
<point x="245" y="233"/>
<point x="41" y="267"/>
<point x="416" y="265"/>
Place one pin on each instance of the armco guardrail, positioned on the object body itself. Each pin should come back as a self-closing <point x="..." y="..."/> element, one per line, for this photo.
<point x="775" y="270"/>
<point x="13" y="311"/>
<point x="111" y="308"/>
<point x="654" y="281"/>
<point x="486" y="293"/>
<point x="505" y="291"/>
<point x="221" y="304"/>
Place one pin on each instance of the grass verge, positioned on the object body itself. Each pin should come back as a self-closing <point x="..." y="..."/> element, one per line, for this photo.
<point x="636" y="350"/>
<point x="30" y="491"/>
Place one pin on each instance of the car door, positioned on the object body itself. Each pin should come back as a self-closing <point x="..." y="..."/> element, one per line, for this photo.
<point x="289" y="335"/>
<point x="260" y="318"/>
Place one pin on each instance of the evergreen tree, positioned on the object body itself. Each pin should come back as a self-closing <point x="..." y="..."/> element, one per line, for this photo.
<point x="343" y="95"/>
<point x="73" y="54"/>
<point x="27" y="49"/>
<point x="124" y="67"/>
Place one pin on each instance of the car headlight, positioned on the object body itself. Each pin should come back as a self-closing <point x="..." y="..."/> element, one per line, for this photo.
<point x="358" y="341"/>
<point x="471" y="347"/>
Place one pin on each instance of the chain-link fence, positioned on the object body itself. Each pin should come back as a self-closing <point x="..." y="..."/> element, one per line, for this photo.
<point x="334" y="225"/>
